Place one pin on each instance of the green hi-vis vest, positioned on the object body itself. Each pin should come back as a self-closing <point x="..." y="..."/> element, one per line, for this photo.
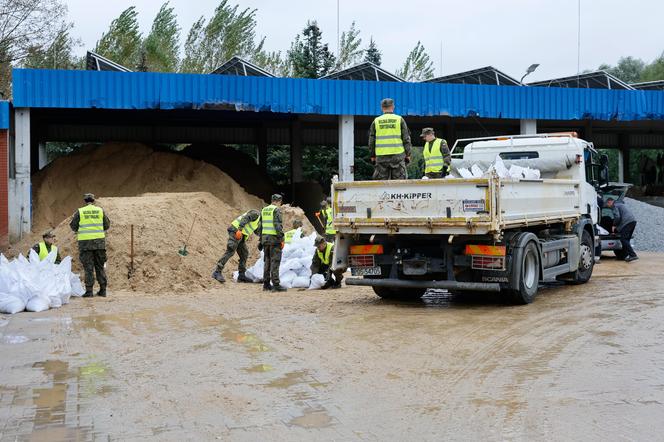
<point x="288" y="236"/>
<point x="388" y="135"/>
<point x="433" y="158"/>
<point x="329" y="227"/>
<point x="91" y="224"/>
<point x="267" y="215"/>
<point x="248" y="228"/>
<point x="43" y="251"/>
<point x="326" y="256"/>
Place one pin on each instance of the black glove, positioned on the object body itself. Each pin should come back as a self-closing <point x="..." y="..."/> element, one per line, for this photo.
<point x="260" y="247"/>
<point x="407" y="160"/>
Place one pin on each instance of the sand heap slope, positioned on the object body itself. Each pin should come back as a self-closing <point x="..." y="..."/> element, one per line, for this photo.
<point x="121" y="169"/>
<point x="162" y="222"/>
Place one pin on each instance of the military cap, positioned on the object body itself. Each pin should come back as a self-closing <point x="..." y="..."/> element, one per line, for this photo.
<point x="319" y="240"/>
<point x="277" y="197"/>
<point x="386" y="102"/>
<point x="49" y="234"/>
<point x="89" y="197"/>
<point x="427" y="130"/>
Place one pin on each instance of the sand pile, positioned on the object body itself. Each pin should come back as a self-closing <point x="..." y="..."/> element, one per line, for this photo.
<point x="121" y="169"/>
<point x="161" y="224"/>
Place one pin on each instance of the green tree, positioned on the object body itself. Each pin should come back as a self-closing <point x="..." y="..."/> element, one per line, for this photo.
<point x="122" y="43"/>
<point x="228" y="33"/>
<point x="272" y="62"/>
<point x="655" y="70"/>
<point x="418" y="66"/>
<point x="308" y="56"/>
<point x="349" y="48"/>
<point x="372" y="54"/>
<point x="58" y="55"/>
<point x="628" y="69"/>
<point x="161" y="47"/>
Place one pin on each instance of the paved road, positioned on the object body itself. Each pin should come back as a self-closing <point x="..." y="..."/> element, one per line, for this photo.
<point x="581" y="363"/>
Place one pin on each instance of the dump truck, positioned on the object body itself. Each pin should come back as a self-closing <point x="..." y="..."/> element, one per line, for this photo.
<point x="487" y="233"/>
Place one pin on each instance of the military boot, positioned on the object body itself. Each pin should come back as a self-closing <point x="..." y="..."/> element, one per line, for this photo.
<point x="218" y="276"/>
<point x="267" y="287"/>
<point x="279" y="288"/>
<point x="88" y="292"/>
<point x="101" y="292"/>
<point x="242" y="277"/>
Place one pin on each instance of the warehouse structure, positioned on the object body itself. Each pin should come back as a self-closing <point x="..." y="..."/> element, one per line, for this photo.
<point x="97" y="106"/>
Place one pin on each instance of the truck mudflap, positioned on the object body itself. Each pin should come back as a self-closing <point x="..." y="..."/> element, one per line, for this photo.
<point x="449" y="285"/>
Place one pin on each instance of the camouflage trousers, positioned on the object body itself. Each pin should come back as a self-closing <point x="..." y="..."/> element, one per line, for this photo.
<point x="233" y="246"/>
<point x="391" y="167"/>
<point x="272" y="257"/>
<point x="93" y="262"/>
<point x="434" y="175"/>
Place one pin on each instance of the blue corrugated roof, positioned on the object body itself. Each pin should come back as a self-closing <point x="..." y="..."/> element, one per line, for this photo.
<point x="135" y="90"/>
<point x="4" y="114"/>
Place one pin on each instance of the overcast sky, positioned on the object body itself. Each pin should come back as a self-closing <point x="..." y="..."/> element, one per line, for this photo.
<point x="507" y="34"/>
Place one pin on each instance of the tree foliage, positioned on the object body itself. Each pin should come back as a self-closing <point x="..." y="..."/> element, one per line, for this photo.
<point x="161" y="47"/>
<point x="418" y="66"/>
<point x="349" y="48"/>
<point x="228" y="33"/>
<point x="308" y="56"/>
<point x="57" y="55"/>
<point x="655" y="70"/>
<point x="628" y="69"/>
<point x="372" y="54"/>
<point x="122" y="43"/>
<point x="272" y="62"/>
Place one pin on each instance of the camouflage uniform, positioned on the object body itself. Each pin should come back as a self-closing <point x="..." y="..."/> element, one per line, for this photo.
<point x="240" y="246"/>
<point x="447" y="158"/>
<point x="390" y="167"/>
<point x="332" y="277"/>
<point x="92" y="253"/>
<point x="272" y="251"/>
<point x="58" y="259"/>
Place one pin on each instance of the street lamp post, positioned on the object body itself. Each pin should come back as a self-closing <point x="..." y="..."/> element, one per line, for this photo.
<point x="530" y="70"/>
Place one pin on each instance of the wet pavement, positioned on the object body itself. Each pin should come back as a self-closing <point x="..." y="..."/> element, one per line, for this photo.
<point x="580" y="363"/>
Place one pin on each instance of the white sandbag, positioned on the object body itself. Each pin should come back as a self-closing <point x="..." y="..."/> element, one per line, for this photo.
<point x="37" y="304"/>
<point x="317" y="281"/>
<point x="76" y="285"/>
<point x="601" y="230"/>
<point x="465" y="173"/>
<point x="286" y="279"/>
<point x="476" y="171"/>
<point x="531" y="174"/>
<point x="11" y="305"/>
<point x="516" y="171"/>
<point x="301" y="282"/>
<point x="304" y="272"/>
<point x="499" y="167"/>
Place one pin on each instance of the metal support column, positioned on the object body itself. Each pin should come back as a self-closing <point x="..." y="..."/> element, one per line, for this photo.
<point x="296" y="153"/>
<point x="346" y="148"/>
<point x="528" y="127"/>
<point x="20" y="216"/>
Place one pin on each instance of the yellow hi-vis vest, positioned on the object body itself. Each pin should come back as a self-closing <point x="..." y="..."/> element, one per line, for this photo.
<point x="388" y="135"/>
<point x="43" y="251"/>
<point x="329" y="227"/>
<point x="248" y="228"/>
<point x="325" y="256"/>
<point x="91" y="224"/>
<point x="267" y="215"/>
<point x="288" y="236"/>
<point x="433" y="158"/>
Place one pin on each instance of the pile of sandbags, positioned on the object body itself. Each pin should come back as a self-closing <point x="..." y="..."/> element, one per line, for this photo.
<point x="295" y="268"/>
<point x="498" y="166"/>
<point x="34" y="285"/>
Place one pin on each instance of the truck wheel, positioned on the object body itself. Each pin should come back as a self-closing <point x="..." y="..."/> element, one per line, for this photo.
<point x="528" y="274"/>
<point x="586" y="259"/>
<point x="396" y="294"/>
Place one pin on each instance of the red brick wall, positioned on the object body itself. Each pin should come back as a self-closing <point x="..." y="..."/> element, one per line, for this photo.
<point x="4" y="188"/>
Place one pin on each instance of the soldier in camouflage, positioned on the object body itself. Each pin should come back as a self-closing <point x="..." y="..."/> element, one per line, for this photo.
<point x="90" y="223"/>
<point x="389" y="144"/>
<point x="238" y="233"/>
<point x="272" y="241"/>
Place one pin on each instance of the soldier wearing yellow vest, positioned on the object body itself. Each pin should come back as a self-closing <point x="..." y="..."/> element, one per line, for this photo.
<point x="389" y="144"/>
<point x="436" y="155"/>
<point x="322" y="263"/>
<point x="288" y="236"/>
<point x="90" y="224"/>
<point x="45" y="247"/>
<point x="326" y="213"/>
<point x="272" y="240"/>
<point x="239" y="232"/>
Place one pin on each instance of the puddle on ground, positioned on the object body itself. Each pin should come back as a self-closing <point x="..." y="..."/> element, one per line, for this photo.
<point x="252" y="343"/>
<point x="260" y="368"/>
<point x="50" y="402"/>
<point x="312" y="418"/>
<point x="14" y="339"/>
<point x="290" y="379"/>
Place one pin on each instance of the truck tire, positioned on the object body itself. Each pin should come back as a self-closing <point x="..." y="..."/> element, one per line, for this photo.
<point x="526" y="274"/>
<point x="399" y="294"/>
<point x="586" y="260"/>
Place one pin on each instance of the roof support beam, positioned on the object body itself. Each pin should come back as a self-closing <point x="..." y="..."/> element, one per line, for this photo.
<point x="346" y="147"/>
<point x="20" y="216"/>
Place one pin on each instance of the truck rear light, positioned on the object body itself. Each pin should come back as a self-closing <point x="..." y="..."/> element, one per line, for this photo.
<point x="488" y="262"/>
<point x="373" y="249"/>
<point x="361" y="261"/>
<point x="484" y="250"/>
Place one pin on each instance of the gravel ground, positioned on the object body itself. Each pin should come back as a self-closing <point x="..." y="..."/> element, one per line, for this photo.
<point x="649" y="232"/>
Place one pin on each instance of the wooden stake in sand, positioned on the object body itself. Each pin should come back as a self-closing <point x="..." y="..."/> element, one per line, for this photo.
<point x="130" y="273"/>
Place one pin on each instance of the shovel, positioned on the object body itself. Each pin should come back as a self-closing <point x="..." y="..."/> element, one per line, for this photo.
<point x="183" y="250"/>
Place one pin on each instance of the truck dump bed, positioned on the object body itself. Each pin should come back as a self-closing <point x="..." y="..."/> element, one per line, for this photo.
<point x="453" y="206"/>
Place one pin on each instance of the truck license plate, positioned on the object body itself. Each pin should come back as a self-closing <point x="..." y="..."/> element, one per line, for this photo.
<point x="362" y="271"/>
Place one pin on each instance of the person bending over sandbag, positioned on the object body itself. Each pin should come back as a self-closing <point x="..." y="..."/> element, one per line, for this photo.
<point x="288" y="236"/>
<point x="238" y="233"/>
<point x="321" y="263"/>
